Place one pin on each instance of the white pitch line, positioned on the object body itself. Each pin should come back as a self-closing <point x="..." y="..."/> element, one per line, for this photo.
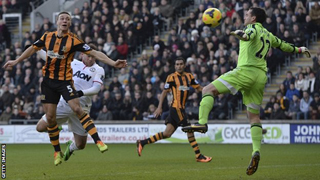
<point x="56" y="176"/>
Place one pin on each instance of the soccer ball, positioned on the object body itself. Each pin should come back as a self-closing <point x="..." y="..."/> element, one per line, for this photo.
<point x="211" y="17"/>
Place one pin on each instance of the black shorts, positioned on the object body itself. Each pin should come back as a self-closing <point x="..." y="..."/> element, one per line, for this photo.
<point x="51" y="90"/>
<point x="177" y="117"/>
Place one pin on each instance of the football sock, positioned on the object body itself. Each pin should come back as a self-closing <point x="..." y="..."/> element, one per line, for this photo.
<point x="54" y="137"/>
<point x="194" y="144"/>
<point x="152" y="139"/>
<point x="256" y="136"/>
<point x="206" y="105"/>
<point x="73" y="146"/>
<point x="89" y="126"/>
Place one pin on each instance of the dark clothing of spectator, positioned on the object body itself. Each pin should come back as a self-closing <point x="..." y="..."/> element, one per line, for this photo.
<point x="5" y="35"/>
<point x="287" y="82"/>
<point x="220" y="108"/>
<point x="105" y="116"/>
<point x="95" y="108"/>
<point x="278" y="114"/>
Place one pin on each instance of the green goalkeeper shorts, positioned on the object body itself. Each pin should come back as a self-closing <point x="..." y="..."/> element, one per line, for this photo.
<point x="250" y="81"/>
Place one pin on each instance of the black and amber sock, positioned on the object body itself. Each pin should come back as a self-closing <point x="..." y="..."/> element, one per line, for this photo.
<point x="152" y="139"/>
<point x="54" y="137"/>
<point x="89" y="126"/>
<point x="194" y="145"/>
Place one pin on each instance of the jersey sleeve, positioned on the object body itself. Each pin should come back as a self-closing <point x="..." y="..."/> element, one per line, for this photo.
<point x="99" y="77"/>
<point x="251" y="31"/>
<point x="79" y="45"/>
<point x="194" y="83"/>
<point x="42" y="54"/>
<point x="169" y="82"/>
<point x="282" y="45"/>
<point x="40" y="43"/>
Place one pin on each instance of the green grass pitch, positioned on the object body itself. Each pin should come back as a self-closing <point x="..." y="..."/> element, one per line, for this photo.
<point x="164" y="161"/>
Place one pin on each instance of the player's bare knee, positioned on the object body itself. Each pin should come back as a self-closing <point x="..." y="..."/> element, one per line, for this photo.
<point x="39" y="128"/>
<point x="166" y="134"/>
<point x="210" y="89"/>
<point x="51" y="121"/>
<point x="81" y="146"/>
<point x="78" y="110"/>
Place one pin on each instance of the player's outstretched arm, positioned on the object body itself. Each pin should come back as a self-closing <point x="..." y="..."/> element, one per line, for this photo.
<point x="240" y="34"/>
<point x="287" y="47"/>
<point x="105" y="59"/>
<point x="27" y="53"/>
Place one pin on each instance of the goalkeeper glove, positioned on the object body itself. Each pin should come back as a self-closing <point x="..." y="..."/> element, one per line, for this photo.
<point x="304" y="51"/>
<point x="240" y="35"/>
<point x="80" y="93"/>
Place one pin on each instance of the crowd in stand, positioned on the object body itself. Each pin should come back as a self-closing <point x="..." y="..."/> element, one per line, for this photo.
<point x="119" y="27"/>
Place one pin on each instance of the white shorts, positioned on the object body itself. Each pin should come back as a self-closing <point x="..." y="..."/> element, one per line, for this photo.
<point x="64" y="114"/>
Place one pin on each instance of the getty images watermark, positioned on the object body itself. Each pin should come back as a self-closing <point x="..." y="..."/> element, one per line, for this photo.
<point x="3" y="161"/>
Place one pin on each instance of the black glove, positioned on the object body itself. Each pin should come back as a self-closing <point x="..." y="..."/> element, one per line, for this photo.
<point x="80" y="93"/>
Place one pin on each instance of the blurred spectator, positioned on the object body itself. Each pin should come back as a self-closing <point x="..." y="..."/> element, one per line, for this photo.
<point x="270" y="26"/>
<point x="104" y="114"/>
<point x="193" y="110"/>
<point x="16" y="114"/>
<point x="46" y="25"/>
<point x="148" y="115"/>
<point x="220" y="107"/>
<point x="157" y="19"/>
<point x="298" y="36"/>
<point x="299" y="70"/>
<point x="123" y="76"/>
<point x="292" y="91"/>
<point x="126" y="110"/>
<point x="138" y="105"/>
<point x="6" y="115"/>
<point x="282" y="101"/>
<point x="96" y="107"/>
<point x="304" y="106"/>
<point x="158" y="44"/>
<point x="309" y="27"/>
<point x="314" y="110"/>
<point x="5" y="35"/>
<point x="289" y="80"/>
<point x="301" y="83"/>
<point x="277" y="112"/>
<point x="316" y="101"/>
<point x="294" y="107"/>
<point x="6" y="97"/>
<point x="207" y="4"/>
<point x="166" y="11"/>
<point x="180" y="26"/>
<point x="315" y="13"/>
<point x="149" y="99"/>
<point x="266" y="112"/>
<point x="116" y="106"/>
<point x="26" y="38"/>
<point x="122" y="48"/>
<point x="38" y="113"/>
<point x="154" y="57"/>
<point x="314" y="84"/>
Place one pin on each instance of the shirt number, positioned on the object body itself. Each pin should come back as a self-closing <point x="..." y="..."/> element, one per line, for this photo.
<point x="259" y="53"/>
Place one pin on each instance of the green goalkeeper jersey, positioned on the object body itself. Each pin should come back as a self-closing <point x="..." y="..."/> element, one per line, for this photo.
<point x="254" y="51"/>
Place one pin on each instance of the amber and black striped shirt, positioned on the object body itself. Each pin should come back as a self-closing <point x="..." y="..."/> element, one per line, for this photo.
<point x="60" y="53"/>
<point x="180" y="86"/>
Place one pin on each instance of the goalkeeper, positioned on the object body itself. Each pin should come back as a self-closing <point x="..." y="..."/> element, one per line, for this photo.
<point x="249" y="77"/>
